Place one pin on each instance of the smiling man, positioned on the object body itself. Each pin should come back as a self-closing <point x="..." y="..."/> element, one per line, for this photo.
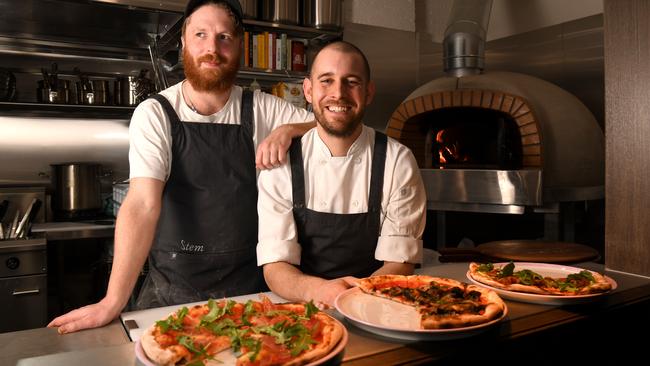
<point x="352" y="203"/>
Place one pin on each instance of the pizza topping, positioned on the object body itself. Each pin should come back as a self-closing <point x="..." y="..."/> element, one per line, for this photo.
<point x="254" y="330"/>
<point x="583" y="282"/>
<point x="441" y="302"/>
<point x="174" y="321"/>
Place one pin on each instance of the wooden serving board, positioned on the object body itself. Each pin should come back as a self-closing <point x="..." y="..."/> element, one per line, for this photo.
<point x="523" y="251"/>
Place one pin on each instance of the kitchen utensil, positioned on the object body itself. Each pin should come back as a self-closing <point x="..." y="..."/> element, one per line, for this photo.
<point x="131" y="90"/>
<point x="14" y="226"/>
<point x="522" y="250"/>
<point x="32" y="210"/>
<point x="3" y="209"/>
<point x="7" y="85"/>
<point x="323" y="14"/>
<point x="77" y="189"/>
<point x="48" y="93"/>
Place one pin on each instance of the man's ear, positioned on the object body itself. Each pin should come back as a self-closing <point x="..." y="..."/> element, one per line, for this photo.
<point x="370" y="92"/>
<point x="306" y="88"/>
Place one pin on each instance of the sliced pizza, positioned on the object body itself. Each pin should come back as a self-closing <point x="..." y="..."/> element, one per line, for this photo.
<point x="441" y="302"/>
<point x="508" y="277"/>
<point x="258" y="332"/>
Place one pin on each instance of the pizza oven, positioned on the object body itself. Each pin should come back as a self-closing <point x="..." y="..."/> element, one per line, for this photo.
<point x="498" y="142"/>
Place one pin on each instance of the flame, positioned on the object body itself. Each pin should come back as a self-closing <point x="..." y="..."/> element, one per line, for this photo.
<point x="450" y="149"/>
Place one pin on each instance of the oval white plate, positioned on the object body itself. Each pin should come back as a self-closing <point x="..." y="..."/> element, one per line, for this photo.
<point x="550" y="270"/>
<point x="392" y="319"/>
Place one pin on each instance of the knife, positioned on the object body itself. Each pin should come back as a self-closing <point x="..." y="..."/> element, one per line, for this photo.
<point x="14" y="224"/>
<point x="28" y="217"/>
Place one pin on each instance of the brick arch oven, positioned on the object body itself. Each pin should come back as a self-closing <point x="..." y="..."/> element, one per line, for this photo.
<point x="502" y="142"/>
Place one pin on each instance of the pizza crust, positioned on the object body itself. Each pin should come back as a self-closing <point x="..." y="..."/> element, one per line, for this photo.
<point x="332" y="334"/>
<point x="157" y="354"/>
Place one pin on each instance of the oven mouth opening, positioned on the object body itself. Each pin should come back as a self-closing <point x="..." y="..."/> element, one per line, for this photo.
<point x="471" y="138"/>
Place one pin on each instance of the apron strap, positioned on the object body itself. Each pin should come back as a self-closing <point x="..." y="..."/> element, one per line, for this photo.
<point x="377" y="173"/>
<point x="297" y="174"/>
<point x="167" y="107"/>
<point x="247" y="111"/>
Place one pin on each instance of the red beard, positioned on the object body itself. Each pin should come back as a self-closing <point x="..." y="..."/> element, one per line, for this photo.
<point x="213" y="80"/>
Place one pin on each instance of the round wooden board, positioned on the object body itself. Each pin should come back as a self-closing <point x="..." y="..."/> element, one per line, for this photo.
<point x="538" y="251"/>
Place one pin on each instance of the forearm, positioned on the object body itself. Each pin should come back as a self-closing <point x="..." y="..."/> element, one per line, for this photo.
<point x="290" y="283"/>
<point x="395" y="268"/>
<point x="299" y="129"/>
<point x="134" y="232"/>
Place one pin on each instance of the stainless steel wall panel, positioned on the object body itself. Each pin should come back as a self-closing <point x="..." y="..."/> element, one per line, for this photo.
<point x="29" y="145"/>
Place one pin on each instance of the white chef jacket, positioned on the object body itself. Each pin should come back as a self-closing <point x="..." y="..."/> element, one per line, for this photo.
<point x="150" y="132"/>
<point x="341" y="185"/>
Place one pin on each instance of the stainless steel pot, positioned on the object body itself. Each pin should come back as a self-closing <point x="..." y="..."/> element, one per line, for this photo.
<point x="249" y="7"/>
<point x="77" y="189"/>
<point x="323" y="14"/>
<point x="281" y="11"/>
<point x="131" y="90"/>
<point x="58" y="94"/>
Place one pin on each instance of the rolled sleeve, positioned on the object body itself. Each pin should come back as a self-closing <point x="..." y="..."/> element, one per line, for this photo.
<point x="399" y="249"/>
<point x="277" y="237"/>
<point x="278" y="251"/>
<point x="404" y="211"/>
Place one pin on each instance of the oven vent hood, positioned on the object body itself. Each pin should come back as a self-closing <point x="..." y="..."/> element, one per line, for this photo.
<point x="464" y="42"/>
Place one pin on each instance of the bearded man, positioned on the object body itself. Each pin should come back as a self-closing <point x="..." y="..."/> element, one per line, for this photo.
<point x="191" y="205"/>
<point x="351" y="203"/>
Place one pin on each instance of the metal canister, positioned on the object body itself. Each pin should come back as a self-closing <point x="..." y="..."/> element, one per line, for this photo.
<point x="249" y="7"/>
<point x="281" y="11"/>
<point x="323" y="14"/>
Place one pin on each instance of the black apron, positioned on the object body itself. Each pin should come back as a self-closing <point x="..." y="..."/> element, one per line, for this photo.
<point x="337" y="245"/>
<point x="207" y="232"/>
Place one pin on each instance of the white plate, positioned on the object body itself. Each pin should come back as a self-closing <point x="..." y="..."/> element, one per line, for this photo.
<point x="227" y="357"/>
<point x="392" y="319"/>
<point x="550" y="270"/>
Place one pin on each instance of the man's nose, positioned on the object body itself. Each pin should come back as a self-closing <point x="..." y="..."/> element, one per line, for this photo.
<point x="337" y="90"/>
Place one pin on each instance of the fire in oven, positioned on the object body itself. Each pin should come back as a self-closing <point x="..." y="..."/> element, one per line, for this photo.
<point x="471" y="138"/>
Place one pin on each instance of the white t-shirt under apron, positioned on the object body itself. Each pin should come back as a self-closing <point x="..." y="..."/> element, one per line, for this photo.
<point x="150" y="133"/>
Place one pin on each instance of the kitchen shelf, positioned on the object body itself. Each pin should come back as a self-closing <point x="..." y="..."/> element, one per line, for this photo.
<point x="171" y="39"/>
<point x="65" y="110"/>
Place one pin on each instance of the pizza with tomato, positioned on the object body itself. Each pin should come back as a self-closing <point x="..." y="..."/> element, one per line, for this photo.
<point x="442" y="303"/>
<point x="258" y="332"/>
<point x="509" y="277"/>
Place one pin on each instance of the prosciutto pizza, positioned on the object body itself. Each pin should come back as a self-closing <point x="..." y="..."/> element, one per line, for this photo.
<point x="442" y="303"/>
<point x="508" y="277"/>
<point x="259" y="333"/>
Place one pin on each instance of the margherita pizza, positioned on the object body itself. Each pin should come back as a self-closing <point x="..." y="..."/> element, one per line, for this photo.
<point x="259" y="333"/>
<point x="441" y="302"/>
<point x="524" y="280"/>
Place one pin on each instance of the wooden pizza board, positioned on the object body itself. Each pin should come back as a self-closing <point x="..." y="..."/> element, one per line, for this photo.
<point x="523" y="251"/>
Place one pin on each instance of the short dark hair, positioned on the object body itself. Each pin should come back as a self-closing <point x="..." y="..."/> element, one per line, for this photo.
<point x="232" y="7"/>
<point x="346" y="47"/>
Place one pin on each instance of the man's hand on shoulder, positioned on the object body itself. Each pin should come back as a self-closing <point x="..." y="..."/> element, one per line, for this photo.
<point x="272" y="151"/>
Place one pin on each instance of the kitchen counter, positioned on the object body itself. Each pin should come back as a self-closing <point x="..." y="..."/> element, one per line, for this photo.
<point x="546" y="332"/>
<point x="45" y="342"/>
<point x="69" y="230"/>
